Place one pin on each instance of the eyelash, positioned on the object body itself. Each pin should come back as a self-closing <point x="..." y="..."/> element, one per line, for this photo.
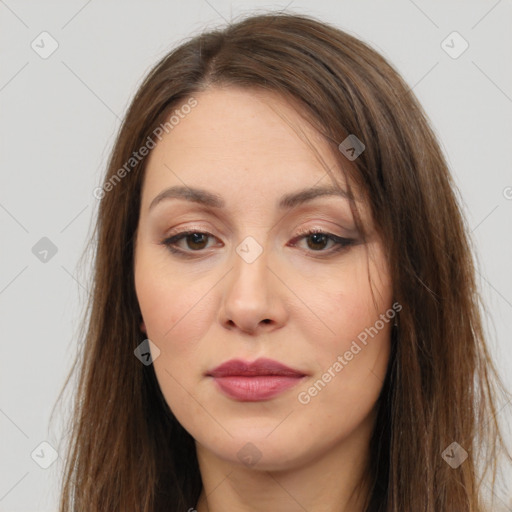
<point x="340" y="242"/>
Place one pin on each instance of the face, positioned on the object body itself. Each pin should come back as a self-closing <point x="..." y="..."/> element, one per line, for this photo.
<point x="250" y="281"/>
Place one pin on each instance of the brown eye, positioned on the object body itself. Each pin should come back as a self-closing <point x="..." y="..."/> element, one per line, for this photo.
<point x="318" y="241"/>
<point x="196" y="241"/>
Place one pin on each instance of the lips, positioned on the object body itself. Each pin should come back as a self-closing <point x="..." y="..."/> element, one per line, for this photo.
<point x="260" y="367"/>
<point x="260" y="380"/>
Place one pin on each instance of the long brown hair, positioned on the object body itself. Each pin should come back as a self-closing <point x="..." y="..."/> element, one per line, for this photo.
<point x="127" y="452"/>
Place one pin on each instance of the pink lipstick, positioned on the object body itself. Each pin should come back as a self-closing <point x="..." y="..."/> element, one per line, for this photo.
<point x="252" y="382"/>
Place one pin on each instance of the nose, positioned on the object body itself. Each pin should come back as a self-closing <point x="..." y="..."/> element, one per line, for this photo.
<point x="252" y="297"/>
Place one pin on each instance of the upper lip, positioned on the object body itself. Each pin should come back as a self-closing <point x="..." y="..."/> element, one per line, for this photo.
<point x="261" y="366"/>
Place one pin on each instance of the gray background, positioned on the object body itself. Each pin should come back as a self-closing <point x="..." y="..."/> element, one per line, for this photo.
<point x="59" y="116"/>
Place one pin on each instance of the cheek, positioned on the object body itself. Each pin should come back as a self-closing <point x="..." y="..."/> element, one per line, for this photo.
<point x="350" y="368"/>
<point x="176" y="314"/>
<point x="351" y="355"/>
<point x="356" y="348"/>
<point x="353" y="303"/>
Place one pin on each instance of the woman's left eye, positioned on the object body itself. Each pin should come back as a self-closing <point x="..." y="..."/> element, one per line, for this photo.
<point x="317" y="241"/>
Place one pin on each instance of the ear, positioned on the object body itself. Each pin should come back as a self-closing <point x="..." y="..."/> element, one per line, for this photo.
<point x="143" y="327"/>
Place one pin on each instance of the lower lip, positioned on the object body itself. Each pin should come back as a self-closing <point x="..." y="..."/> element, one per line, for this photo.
<point x="255" y="389"/>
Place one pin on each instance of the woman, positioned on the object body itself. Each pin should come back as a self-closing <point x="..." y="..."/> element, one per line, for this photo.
<point x="284" y="314"/>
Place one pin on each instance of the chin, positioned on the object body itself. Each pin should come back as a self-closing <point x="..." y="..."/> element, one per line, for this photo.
<point x="256" y="449"/>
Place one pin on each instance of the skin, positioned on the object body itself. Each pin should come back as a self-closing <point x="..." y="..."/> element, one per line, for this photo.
<point x="290" y="304"/>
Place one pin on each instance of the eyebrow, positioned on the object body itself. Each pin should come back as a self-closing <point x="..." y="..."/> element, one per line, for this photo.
<point x="206" y="198"/>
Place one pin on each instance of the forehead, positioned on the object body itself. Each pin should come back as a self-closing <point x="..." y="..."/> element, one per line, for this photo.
<point x="252" y="117"/>
<point x="242" y="143"/>
<point x="253" y="150"/>
<point x="254" y="154"/>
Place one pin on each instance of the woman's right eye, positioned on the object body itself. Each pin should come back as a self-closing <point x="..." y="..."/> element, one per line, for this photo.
<point x="195" y="241"/>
